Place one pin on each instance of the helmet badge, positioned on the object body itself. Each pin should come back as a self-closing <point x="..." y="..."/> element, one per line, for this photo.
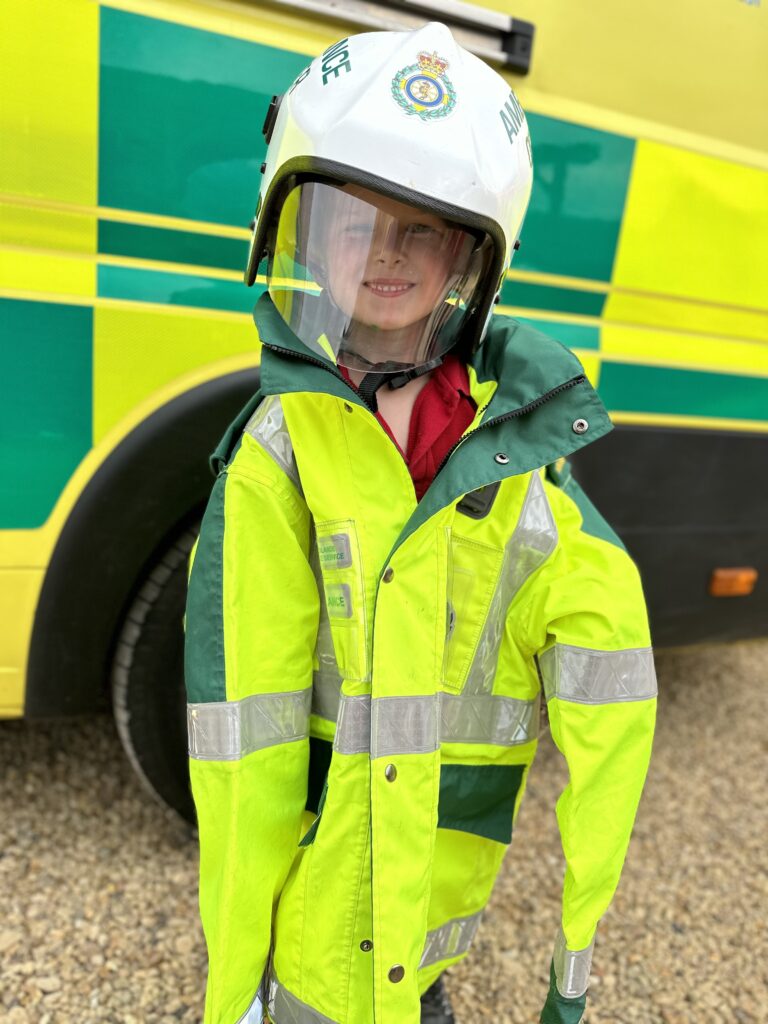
<point x="424" y="89"/>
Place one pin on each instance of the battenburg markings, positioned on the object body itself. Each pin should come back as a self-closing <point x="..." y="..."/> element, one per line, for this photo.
<point x="512" y="116"/>
<point x="335" y="60"/>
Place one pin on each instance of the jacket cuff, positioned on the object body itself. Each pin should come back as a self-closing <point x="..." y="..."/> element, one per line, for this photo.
<point x="571" y="968"/>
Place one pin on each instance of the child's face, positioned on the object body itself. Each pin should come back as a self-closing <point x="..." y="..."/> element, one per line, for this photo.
<point x="388" y="265"/>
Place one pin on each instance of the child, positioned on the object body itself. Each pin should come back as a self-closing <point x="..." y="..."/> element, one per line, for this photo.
<point x="387" y="579"/>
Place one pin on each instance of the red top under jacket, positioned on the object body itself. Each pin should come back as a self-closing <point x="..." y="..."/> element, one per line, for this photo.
<point x="441" y="413"/>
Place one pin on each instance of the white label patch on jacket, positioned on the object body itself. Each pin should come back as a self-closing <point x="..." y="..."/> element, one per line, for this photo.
<point x="335" y="551"/>
<point x="339" y="600"/>
<point x="338" y="553"/>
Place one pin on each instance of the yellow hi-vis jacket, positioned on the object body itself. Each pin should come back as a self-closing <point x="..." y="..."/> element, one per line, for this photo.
<point x="364" y="675"/>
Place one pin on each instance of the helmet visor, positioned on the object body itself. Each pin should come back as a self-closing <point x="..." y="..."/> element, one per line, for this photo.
<point x="370" y="282"/>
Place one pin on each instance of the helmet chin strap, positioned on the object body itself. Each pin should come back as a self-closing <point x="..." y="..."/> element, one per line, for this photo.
<point x="393" y="374"/>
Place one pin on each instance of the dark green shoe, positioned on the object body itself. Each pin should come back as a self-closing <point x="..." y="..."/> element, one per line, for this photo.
<point x="436" y="1006"/>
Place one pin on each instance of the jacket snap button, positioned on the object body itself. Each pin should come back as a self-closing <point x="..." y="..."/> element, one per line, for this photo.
<point x="390" y="773"/>
<point x="347" y="407"/>
<point x="580" y="426"/>
<point x="366" y="945"/>
<point x="389" y="572"/>
<point x="501" y="458"/>
<point x="396" y="973"/>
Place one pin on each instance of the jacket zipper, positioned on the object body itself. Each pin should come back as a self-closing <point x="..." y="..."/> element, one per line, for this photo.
<point x="324" y="366"/>
<point x="511" y="415"/>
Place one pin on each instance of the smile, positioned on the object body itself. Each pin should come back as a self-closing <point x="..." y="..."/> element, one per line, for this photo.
<point x="389" y="289"/>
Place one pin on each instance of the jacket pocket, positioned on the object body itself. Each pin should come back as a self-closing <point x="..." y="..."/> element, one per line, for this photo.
<point x="473" y="573"/>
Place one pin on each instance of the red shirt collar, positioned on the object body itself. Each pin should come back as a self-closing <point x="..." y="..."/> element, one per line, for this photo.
<point x="443" y="410"/>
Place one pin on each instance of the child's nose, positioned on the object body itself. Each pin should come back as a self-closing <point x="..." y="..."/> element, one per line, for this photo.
<point x="389" y="243"/>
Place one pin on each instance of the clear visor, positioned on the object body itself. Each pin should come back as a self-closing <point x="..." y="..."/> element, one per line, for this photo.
<point x="371" y="283"/>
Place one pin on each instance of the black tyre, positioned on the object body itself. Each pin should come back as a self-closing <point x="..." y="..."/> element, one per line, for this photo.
<point x="148" y="695"/>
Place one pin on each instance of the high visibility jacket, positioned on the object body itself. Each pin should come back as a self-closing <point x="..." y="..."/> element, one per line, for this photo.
<point x="364" y="676"/>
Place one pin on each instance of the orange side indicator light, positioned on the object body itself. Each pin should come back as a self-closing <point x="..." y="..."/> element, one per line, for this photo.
<point x="732" y="582"/>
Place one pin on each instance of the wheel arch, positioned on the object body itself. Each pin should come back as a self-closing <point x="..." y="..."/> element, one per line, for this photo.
<point x="154" y="482"/>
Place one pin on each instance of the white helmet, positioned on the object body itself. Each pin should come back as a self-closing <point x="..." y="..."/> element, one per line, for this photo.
<point x="380" y="124"/>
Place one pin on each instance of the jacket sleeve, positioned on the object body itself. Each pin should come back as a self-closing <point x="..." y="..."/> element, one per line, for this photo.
<point x="587" y="627"/>
<point x="251" y="625"/>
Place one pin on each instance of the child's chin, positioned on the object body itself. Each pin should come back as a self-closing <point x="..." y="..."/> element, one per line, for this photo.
<point x="388" y="321"/>
<point x="391" y="324"/>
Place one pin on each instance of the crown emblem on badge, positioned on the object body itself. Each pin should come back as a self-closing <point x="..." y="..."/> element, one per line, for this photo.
<point x="424" y="89"/>
<point x="431" y="64"/>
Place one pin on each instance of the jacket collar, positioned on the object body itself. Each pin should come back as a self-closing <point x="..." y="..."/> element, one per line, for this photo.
<point x="524" y="363"/>
<point x="540" y="394"/>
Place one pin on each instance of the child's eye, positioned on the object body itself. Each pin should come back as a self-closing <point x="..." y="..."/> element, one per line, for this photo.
<point x="421" y="229"/>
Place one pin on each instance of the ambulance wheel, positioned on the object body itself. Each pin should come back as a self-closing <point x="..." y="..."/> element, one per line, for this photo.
<point x="148" y="696"/>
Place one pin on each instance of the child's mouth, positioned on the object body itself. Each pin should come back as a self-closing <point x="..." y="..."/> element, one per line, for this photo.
<point x="388" y="288"/>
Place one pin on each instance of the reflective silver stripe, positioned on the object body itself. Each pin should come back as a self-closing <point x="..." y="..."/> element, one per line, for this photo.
<point x="268" y="427"/>
<point x="285" y="1008"/>
<point x="486" y="718"/>
<point x="353" y="728"/>
<point x="387" y="725"/>
<point x="228" y="730"/>
<point x="451" y="939"/>
<point x="572" y="968"/>
<point x="598" y="677"/>
<point x="532" y="542"/>
<point x="255" y="1012"/>
<point x="404" y="725"/>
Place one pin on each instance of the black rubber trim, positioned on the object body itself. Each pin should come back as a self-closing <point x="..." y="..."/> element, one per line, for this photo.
<point x="271" y="116"/>
<point x="518" y="45"/>
<point x="478" y="503"/>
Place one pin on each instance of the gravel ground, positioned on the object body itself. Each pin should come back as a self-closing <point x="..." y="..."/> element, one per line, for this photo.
<point x="99" y="919"/>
